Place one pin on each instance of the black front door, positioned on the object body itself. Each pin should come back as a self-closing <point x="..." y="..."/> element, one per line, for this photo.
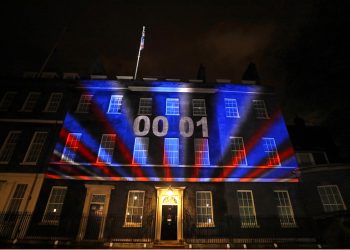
<point x="169" y="222"/>
<point x="94" y="221"/>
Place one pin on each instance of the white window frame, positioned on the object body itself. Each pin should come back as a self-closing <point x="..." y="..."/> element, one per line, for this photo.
<point x="305" y="158"/>
<point x="9" y="146"/>
<point x="260" y="109"/>
<point x="172" y="106"/>
<point x="201" y="151"/>
<point x="171" y="151"/>
<point x="331" y="198"/>
<point x="34" y="150"/>
<point x="7" y="100"/>
<point x="105" y="151"/>
<point x="246" y="208"/>
<point x="30" y="102"/>
<point x="17" y="197"/>
<point x="55" y="203"/>
<point x="204" y="209"/>
<point x="54" y="102"/>
<point x="238" y="151"/>
<point x="231" y="108"/>
<point x="140" y="150"/>
<point x="133" y="195"/>
<point x="270" y="148"/>
<point x="199" y="107"/>
<point x="115" y="104"/>
<point x="70" y="151"/>
<point x="84" y="104"/>
<point x="145" y="106"/>
<point x="285" y="209"/>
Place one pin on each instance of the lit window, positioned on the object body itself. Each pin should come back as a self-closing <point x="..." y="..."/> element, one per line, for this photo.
<point x="8" y="147"/>
<point x="34" y="150"/>
<point x="17" y="198"/>
<point x="199" y="107"/>
<point x="30" y="102"/>
<point x="305" y="159"/>
<point x="284" y="208"/>
<point x="172" y="106"/>
<point x="134" y="209"/>
<point x="105" y="152"/>
<point x="231" y="108"/>
<point x="171" y="151"/>
<point x="7" y="100"/>
<point x="260" y="109"/>
<point x="84" y="104"/>
<point x="331" y="198"/>
<point x="140" y="150"/>
<point x="246" y="208"/>
<point x="201" y="149"/>
<point x="204" y="208"/>
<point x="270" y="149"/>
<point x="71" y="148"/>
<point x="238" y="151"/>
<point x="54" y="102"/>
<point x="115" y="104"/>
<point x="54" y="205"/>
<point x="145" y="106"/>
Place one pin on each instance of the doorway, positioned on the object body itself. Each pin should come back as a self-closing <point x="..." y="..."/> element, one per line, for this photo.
<point x="94" y="221"/>
<point x="169" y="222"/>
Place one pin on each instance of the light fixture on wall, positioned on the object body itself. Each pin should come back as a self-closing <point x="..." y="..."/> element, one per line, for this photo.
<point x="170" y="191"/>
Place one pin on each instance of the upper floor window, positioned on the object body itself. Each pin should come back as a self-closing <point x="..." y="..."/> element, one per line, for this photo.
<point x="238" y="151"/>
<point x="305" y="159"/>
<point x="331" y="198"/>
<point x="115" y="104"/>
<point x="7" y="100"/>
<point x="201" y="149"/>
<point x="54" y="205"/>
<point x="171" y="151"/>
<point x="30" y="102"/>
<point x="140" y="150"/>
<point x="105" y="152"/>
<point x="8" y="147"/>
<point x="145" y="106"/>
<point x="260" y="109"/>
<point x="204" y="209"/>
<point x="270" y="149"/>
<point x="134" y="208"/>
<point x="71" y="147"/>
<point x="246" y="208"/>
<point x="35" y="147"/>
<point x="84" y="104"/>
<point x="231" y="108"/>
<point x="284" y="208"/>
<point x="199" y="108"/>
<point x="54" y="102"/>
<point x="172" y="106"/>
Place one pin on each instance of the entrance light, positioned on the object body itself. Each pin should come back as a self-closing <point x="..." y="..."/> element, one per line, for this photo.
<point x="170" y="191"/>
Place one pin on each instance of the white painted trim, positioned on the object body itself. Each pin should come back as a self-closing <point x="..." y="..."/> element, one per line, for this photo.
<point x="173" y="89"/>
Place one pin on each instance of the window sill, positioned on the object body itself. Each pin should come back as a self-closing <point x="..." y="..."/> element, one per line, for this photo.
<point x="28" y="163"/>
<point x="205" y="225"/>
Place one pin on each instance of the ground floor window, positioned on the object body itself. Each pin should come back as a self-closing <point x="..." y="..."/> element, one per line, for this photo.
<point x="54" y="205"/>
<point x="134" y="208"/>
<point x="331" y="198"/>
<point x="204" y="207"/>
<point x="284" y="208"/>
<point x="246" y="208"/>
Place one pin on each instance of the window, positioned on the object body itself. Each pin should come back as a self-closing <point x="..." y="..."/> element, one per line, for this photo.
<point x="238" y="151"/>
<point x="71" y="148"/>
<point x="270" y="149"/>
<point x="140" y="150"/>
<point x="305" y="159"/>
<point x="201" y="150"/>
<point x="35" y="147"/>
<point x="231" y="108"/>
<point x="115" y="104"/>
<point x="171" y="151"/>
<point x="105" y="152"/>
<point x="134" y="209"/>
<point x="172" y="106"/>
<point x="84" y="104"/>
<point x="204" y="209"/>
<point x="331" y="198"/>
<point x="17" y="198"/>
<point x="199" y="107"/>
<point x="30" y="102"/>
<point x="54" y="205"/>
<point x="54" y="102"/>
<point x="7" y="100"/>
<point x="145" y="106"/>
<point x="260" y="109"/>
<point x="246" y="208"/>
<point x="284" y="208"/>
<point x="9" y="146"/>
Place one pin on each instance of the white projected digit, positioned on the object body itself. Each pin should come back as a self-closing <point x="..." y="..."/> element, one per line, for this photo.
<point x="186" y="121"/>
<point x="204" y="124"/>
<point x="146" y="128"/>
<point x="155" y="126"/>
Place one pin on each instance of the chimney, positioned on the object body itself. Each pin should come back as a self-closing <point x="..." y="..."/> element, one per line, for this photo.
<point x="251" y="76"/>
<point x="201" y="75"/>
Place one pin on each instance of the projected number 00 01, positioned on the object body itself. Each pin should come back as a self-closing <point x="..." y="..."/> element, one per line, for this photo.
<point x="186" y="126"/>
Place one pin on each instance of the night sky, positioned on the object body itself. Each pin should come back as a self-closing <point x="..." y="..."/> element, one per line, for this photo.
<point x="300" y="47"/>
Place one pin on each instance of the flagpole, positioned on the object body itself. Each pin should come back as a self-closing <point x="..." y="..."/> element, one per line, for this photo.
<point x="139" y="54"/>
